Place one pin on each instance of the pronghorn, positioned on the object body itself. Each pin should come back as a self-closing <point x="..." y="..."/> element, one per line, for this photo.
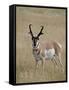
<point x="49" y="51"/>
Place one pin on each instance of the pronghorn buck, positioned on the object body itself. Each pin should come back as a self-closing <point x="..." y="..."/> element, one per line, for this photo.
<point x="48" y="51"/>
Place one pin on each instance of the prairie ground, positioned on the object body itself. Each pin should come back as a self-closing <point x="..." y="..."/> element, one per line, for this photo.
<point x="53" y="21"/>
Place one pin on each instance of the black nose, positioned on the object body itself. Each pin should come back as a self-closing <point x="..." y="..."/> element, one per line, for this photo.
<point x="34" y="43"/>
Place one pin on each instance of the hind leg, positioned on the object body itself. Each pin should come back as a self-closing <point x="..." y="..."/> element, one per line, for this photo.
<point x="59" y="60"/>
<point x="55" y="61"/>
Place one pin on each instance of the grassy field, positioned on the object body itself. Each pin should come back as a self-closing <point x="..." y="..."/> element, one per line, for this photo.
<point x="53" y="21"/>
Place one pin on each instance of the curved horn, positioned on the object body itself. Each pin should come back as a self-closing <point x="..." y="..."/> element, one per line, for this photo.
<point x="40" y="33"/>
<point x="30" y="30"/>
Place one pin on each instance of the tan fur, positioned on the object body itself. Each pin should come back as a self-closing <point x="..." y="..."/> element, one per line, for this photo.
<point x="49" y="45"/>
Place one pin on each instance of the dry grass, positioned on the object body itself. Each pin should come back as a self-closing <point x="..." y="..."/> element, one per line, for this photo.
<point x="54" y="24"/>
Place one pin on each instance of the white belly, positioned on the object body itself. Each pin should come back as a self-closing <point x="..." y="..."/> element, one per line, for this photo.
<point x="49" y="53"/>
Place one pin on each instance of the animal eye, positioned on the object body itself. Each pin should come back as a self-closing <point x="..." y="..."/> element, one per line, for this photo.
<point x="37" y="38"/>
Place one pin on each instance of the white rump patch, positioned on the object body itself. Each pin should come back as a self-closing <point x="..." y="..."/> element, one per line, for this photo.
<point x="49" y="53"/>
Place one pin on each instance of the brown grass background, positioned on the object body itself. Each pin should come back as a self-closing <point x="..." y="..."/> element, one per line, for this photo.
<point x="54" y="22"/>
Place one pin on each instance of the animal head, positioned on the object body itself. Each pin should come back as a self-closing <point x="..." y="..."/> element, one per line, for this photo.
<point x="35" y="39"/>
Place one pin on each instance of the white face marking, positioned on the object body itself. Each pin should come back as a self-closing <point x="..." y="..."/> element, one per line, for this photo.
<point x="49" y="53"/>
<point x="37" y="44"/>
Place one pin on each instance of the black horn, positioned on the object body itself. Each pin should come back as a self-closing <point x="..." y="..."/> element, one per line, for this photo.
<point x="40" y="33"/>
<point x="30" y="30"/>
